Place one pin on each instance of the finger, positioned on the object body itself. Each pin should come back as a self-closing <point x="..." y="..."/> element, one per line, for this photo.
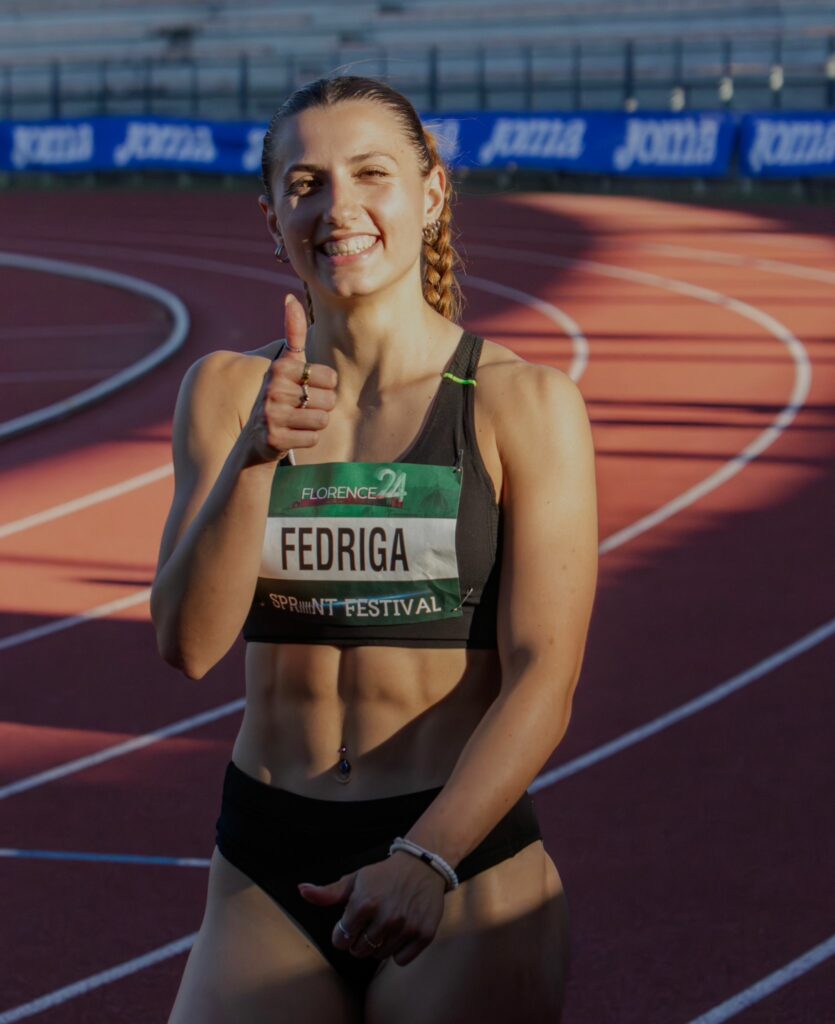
<point x="355" y="919"/>
<point x="306" y="419"/>
<point x="281" y="400"/>
<point x="295" y="329"/>
<point x="283" y="440"/>
<point x="286" y="372"/>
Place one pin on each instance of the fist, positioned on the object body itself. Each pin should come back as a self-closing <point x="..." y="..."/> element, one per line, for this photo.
<point x="296" y="397"/>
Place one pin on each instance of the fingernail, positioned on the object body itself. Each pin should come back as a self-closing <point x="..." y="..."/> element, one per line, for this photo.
<point x="287" y="298"/>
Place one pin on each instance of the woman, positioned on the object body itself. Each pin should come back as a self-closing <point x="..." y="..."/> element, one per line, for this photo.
<point x="413" y="561"/>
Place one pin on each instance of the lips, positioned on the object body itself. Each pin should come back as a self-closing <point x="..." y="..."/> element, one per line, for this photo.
<point x="350" y="245"/>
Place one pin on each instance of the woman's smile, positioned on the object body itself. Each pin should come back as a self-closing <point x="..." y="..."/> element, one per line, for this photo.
<point x="356" y="249"/>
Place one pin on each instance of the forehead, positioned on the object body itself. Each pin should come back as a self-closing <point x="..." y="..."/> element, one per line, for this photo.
<point x="329" y="135"/>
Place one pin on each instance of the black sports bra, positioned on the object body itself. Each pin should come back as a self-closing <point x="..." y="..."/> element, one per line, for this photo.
<point x="402" y="554"/>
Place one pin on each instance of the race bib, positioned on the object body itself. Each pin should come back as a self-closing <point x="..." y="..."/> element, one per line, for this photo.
<point x="358" y="543"/>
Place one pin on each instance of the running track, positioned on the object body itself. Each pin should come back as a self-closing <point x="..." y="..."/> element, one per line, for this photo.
<point x="686" y="809"/>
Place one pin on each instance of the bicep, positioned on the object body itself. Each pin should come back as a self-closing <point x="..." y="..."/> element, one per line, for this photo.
<point x="550" y="550"/>
<point x="205" y="428"/>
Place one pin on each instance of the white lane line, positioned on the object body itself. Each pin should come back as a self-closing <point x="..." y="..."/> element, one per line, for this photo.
<point x="69" y="331"/>
<point x="48" y="376"/>
<point x="734" y="260"/>
<point x="80" y="400"/>
<point x="691" y="707"/>
<point x="739" y="1002"/>
<point x="93" y="498"/>
<point x="80" y="988"/>
<point x="120" y="749"/>
<point x="757" y="992"/>
<point x="570" y="326"/>
<point x="58" y="625"/>
<point x="795" y="348"/>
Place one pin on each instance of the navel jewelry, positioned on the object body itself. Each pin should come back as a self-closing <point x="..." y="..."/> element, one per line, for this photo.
<point x="431" y="231"/>
<point x="343" y="769"/>
<point x="279" y="249"/>
<point x="305" y="374"/>
<point x="305" y="397"/>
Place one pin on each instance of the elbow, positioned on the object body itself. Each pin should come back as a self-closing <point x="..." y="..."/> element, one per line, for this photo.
<point x="171" y="646"/>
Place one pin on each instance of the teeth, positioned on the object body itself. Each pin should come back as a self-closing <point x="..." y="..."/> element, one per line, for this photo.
<point x="349" y="245"/>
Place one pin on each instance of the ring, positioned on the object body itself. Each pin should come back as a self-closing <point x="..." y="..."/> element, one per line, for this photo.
<point x="373" y="945"/>
<point x="343" y="929"/>
<point x="290" y="347"/>
<point x="305" y="397"/>
<point x="306" y="373"/>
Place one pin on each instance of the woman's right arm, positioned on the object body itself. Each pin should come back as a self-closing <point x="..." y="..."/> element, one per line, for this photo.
<point x="223" y="469"/>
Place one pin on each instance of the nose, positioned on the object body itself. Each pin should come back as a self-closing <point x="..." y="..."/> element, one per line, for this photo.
<point x="341" y="205"/>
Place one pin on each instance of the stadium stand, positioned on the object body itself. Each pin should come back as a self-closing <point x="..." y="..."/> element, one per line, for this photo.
<point x="68" y="57"/>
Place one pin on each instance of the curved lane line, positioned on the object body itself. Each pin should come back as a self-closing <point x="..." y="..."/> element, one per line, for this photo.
<point x="80" y="400"/>
<point x="799" y="393"/>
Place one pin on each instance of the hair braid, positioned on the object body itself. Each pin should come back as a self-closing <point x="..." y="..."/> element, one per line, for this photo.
<point x="440" y="285"/>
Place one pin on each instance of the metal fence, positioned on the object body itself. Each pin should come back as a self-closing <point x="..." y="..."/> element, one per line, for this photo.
<point x="776" y="72"/>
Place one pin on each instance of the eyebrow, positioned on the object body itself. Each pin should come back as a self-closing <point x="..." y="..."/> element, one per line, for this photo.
<point x="352" y="160"/>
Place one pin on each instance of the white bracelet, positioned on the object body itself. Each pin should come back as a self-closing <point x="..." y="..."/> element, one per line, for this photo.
<point x="433" y="859"/>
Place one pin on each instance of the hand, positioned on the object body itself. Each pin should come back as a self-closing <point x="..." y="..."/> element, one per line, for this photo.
<point x="398" y="902"/>
<point x="277" y="423"/>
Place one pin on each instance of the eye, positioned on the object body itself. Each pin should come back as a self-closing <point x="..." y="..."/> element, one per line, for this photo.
<point x="299" y="184"/>
<point x="375" y="170"/>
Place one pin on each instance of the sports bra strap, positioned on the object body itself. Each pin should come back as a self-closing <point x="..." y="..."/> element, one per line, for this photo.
<point x="464" y="364"/>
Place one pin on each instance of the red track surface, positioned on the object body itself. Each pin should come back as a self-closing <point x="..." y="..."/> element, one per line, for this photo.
<point x="695" y="861"/>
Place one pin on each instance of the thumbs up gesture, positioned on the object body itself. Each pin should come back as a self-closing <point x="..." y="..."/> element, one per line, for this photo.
<point x="296" y="397"/>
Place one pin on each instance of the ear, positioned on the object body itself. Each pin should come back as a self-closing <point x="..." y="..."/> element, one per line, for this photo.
<point x="272" y="221"/>
<point x="434" y="191"/>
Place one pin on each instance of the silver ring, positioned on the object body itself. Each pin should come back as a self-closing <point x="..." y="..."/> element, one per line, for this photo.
<point x="373" y="945"/>
<point x="343" y="929"/>
<point x="305" y="397"/>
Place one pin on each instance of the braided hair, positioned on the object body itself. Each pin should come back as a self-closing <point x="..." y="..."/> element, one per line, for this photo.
<point x="439" y="259"/>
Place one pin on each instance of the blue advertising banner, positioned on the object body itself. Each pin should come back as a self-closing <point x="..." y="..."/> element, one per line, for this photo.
<point x="121" y="143"/>
<point x="653" y="145"/>
<point x="638" y="144"/>
<point x="787" y="145"/>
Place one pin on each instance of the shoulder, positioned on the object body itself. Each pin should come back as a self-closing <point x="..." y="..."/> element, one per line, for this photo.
<point x="226" y="382"/>
<point x="524" y="400"/>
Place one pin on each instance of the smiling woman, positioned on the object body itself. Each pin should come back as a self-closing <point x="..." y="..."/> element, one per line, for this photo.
<point x="401" y="518"/>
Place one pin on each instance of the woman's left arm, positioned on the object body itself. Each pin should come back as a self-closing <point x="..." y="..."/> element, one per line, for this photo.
<point x="548" y="581"/>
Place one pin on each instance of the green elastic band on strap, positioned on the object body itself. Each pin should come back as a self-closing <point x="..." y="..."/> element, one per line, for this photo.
<point x="460" y="380"/>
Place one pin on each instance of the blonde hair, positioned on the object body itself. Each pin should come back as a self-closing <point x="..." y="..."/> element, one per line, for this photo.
<point x="439" y="259"/>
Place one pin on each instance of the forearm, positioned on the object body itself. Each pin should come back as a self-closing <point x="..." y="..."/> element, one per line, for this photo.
<point x="504" y="754"/>
<point x="201" y="594"/>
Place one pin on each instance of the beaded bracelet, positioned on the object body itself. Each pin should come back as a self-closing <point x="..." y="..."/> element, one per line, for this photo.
<point x="433" y="859"/>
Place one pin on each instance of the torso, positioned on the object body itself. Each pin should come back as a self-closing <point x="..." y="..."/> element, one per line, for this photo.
<point x="404" y="713"/>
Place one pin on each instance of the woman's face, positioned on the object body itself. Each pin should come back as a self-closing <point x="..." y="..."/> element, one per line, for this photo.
<point x="349" y="201"/>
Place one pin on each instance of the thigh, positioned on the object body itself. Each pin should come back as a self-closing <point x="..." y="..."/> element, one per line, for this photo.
<point x="500" y="953"/>
<point x="250" y="962"/>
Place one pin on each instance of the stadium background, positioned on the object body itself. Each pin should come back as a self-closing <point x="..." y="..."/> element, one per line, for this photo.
<point x="645" y="194"/>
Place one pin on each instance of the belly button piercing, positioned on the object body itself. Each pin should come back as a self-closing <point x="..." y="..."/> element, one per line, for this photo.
<point x="343" y="769"/>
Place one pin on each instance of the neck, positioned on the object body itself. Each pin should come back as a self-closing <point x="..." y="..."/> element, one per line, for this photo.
<point x="381" y="339"/>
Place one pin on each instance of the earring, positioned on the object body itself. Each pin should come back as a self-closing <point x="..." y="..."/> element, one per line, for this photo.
<point x="279" y="249"/>
<point x="431" y="232"/>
